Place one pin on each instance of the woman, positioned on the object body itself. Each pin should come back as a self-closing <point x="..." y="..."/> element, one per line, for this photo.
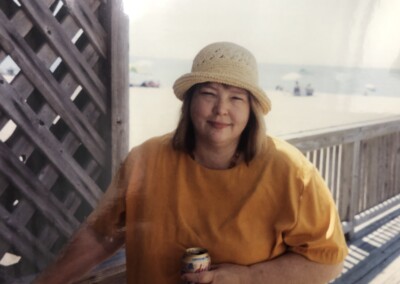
<point x="218" y="182"/>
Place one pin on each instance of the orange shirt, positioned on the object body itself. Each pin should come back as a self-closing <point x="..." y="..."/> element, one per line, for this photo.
<point x="164" y="202"/>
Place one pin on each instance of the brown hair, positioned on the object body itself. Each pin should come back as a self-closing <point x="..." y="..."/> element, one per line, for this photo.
<point x="251" y="139"/>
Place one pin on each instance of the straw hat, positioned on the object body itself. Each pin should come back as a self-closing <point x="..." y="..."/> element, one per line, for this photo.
<point x="227" y="63"/>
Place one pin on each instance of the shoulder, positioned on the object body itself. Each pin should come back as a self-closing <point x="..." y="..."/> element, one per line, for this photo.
<point x="162" y="142"/>
<point x="150" y="149"/>
<point x="155" y="142"/>
<point x="281" y="158"/>
<point x="280" y="151"/>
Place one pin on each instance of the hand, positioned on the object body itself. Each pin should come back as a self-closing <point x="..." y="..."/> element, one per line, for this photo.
<point x="221" y="274"/>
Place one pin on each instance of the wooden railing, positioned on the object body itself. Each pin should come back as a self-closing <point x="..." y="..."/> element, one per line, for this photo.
<point x="361" y="165"/>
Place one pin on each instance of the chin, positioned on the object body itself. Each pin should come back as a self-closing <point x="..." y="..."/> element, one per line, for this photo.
<point x="222" y="140"/>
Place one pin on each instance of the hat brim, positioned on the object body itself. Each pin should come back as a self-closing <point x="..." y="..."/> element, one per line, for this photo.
<point x="185" y="82"/>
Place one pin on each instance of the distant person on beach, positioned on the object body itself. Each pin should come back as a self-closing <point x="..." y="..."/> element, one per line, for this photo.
<point x="309" y="90"/>
<point x="296" y="90"/>
<point x="258" y="206"/>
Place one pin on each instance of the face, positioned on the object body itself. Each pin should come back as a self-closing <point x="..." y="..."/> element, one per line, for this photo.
<point x="219" y="113"/>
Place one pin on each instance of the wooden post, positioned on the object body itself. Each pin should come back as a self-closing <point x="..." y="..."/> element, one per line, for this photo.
<point x="119" y="61"/>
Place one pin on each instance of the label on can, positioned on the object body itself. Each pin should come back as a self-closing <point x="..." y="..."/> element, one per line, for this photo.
<point x="196" y="260"/>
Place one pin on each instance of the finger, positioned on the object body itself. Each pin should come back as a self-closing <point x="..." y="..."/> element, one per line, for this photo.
<point x="200" y="277"/>
<point x="214" y="266"/>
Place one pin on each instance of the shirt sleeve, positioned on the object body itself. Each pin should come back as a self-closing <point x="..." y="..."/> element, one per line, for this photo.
<point x="317" y="234"/>
<point x="108" y="218"/>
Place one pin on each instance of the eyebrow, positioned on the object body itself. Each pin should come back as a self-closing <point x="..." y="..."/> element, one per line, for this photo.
<point x="225" y="86"/>
<point x="239" y="91"/>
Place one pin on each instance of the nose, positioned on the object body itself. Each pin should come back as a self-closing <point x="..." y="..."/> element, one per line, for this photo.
<point x="221" y="107"/>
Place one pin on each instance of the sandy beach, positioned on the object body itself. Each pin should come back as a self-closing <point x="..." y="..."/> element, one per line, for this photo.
<point x="156" y="111"/>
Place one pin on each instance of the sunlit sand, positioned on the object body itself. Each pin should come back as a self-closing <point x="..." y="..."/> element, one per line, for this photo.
<point x="156" y="111"/>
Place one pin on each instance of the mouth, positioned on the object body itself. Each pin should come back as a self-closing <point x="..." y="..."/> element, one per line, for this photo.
<point x="218" y="125"/>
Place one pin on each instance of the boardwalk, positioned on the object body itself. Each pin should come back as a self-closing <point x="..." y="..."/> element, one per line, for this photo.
<point x="375" y="253"/>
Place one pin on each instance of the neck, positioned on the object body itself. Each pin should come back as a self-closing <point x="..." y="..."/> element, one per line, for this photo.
<point x="216" y="157"/>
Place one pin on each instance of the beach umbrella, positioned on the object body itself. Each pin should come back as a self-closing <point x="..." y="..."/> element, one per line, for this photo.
<point x="292" y="76"/>
<point x="370" y="87"/>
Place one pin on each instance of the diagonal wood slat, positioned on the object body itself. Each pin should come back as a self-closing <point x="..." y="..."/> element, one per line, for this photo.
<point x="67" y="105"/>
<point x="34" y="251"/>
<point x="50" y="89"/>
<point x="49" y="145"/>
<point x="34" y="191"/>
<point x="56" y="36"/>
<point x="84" y="17"/>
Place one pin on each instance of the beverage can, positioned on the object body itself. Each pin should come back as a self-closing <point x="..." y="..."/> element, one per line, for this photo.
<point x="196" y="260"/>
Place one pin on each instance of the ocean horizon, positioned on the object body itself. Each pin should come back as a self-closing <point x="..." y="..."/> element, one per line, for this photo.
<point x="326" y="79"/>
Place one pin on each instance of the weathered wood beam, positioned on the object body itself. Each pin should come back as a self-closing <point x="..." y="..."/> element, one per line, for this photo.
<point x="311" y="140"/>
<point x="119" y="53"/>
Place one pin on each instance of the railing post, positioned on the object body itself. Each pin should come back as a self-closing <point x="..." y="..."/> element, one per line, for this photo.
<point x="355" y="187"/>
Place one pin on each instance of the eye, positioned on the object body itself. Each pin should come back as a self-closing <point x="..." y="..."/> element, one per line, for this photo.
<point x="207" y="93"/>
<point x="237" y="98"/>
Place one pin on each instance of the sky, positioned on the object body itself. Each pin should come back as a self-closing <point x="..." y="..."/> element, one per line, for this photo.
<point x="351" y="33"/>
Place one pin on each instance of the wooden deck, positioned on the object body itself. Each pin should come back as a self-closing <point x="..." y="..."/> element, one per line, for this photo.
<point x="374" y="252"/>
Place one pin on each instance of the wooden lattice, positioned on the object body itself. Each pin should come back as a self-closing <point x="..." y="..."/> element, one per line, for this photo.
<point x="58" y="115"/>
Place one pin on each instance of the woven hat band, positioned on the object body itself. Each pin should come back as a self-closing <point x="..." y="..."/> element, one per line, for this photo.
<point x="226" y="60"/>
<point x="235" y="71"/>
